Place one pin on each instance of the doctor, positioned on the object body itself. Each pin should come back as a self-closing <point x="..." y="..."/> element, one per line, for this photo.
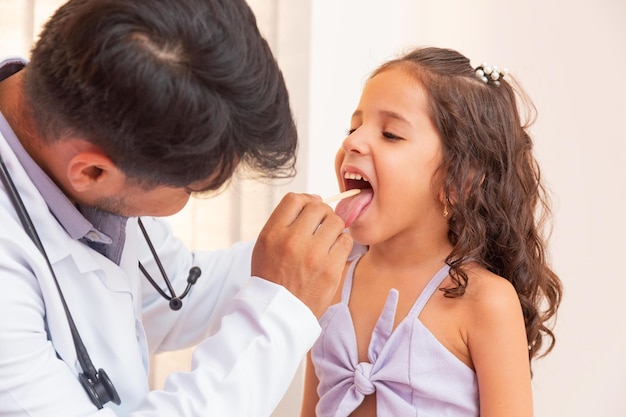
<point x="125" y="109"/>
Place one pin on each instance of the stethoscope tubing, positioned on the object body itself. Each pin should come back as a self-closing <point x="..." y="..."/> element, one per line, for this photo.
<point x="97" y="384"/>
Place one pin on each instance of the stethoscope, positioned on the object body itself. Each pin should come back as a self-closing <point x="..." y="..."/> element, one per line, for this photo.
<point x="194" y="273"/>
<point x="97" y="384"/>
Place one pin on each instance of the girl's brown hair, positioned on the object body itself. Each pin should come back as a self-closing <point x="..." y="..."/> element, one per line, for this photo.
<point x="491" y="183"/>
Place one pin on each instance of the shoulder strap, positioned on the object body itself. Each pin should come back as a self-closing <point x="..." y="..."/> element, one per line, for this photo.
<point x="347" y="282"/>
<point x="429" y="290"/>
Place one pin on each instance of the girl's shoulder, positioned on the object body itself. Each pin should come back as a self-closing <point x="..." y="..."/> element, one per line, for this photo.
<point x="491" y="305"/>
<point x="488" y="305"/>
<point x="488" y="293"/>
<point x="482" y="280"/>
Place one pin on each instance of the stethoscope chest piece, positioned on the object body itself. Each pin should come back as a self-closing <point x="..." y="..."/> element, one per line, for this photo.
<point x="100" y="389"/>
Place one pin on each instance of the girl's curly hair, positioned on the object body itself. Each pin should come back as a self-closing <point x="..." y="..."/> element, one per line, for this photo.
<point x="491" y="183"/>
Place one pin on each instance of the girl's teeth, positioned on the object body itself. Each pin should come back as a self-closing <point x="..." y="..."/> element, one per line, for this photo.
<point x="353" y="176"/>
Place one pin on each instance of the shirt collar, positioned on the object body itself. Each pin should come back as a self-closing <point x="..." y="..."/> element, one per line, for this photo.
<point x="102" y="231"/>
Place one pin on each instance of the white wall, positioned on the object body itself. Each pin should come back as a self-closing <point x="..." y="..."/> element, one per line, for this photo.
<point x="570" y="58"/>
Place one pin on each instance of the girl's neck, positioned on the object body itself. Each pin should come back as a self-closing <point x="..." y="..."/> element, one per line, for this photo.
<point x="402" y="252"/>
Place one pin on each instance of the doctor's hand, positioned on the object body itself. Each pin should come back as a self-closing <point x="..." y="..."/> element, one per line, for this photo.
<point x="303" y="247"/>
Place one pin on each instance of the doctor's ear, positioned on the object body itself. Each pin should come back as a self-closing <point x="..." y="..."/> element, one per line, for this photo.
<point x="89" y="170"/>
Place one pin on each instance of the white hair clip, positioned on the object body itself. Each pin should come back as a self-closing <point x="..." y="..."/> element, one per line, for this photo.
<point x="490" y="74"/>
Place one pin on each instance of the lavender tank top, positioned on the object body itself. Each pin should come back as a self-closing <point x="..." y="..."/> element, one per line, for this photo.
<point x="409" y="370"/>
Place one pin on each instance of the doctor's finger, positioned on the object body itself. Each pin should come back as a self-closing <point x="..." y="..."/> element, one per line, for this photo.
<point x="341" y="249"/>
<point x="330" y="226"/>
<point x="315" y="218"/>
<point x="290" y="208"/>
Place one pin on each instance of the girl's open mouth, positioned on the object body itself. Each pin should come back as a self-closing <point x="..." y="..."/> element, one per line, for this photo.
<point x="351" y="208"/>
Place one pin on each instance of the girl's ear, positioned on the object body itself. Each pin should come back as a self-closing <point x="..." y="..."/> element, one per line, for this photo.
<point x="451" y="198"/>
<point x="90" y="171"/>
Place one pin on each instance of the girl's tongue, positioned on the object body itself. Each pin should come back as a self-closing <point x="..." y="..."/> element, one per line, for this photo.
<point x="351" y="208"/>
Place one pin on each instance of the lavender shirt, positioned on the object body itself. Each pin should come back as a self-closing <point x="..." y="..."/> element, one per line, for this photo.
<point x="409" y="370"/>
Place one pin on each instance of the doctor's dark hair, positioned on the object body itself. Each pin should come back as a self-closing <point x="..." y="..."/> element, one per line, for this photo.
<point x="173" y="91"/>
<point x="490" y="183"/>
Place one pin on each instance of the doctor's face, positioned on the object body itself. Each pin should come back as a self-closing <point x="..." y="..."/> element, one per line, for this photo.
<point x="137" y="201"/>
<point x="132" y="199"/>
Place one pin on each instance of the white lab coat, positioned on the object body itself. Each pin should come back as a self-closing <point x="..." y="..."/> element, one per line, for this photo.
<point x="251" y="334"/>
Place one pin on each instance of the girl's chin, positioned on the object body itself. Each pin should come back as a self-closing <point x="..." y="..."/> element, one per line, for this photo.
<point x="360" y="232"/>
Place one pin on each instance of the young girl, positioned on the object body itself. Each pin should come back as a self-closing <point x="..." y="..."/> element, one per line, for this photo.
<point x="451" y="296"/>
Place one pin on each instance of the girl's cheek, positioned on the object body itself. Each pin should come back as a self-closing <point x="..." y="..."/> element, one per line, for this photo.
<point x="338" y="161"/>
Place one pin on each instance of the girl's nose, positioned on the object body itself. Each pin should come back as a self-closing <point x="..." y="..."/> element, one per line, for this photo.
<point x="356" y="142"/>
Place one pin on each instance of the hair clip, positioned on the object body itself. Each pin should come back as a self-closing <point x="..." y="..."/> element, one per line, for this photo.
<point x="490" y="74"/>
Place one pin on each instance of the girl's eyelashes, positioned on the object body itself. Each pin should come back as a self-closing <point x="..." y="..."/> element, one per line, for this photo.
<point x="391" y="136"/>
<point x="387" y="135"/>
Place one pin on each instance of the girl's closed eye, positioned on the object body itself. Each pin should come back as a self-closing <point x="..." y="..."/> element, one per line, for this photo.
<point x="390" y="136"/>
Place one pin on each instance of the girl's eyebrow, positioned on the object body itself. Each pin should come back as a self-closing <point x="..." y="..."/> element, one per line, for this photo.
<point x="387" y="113"/>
